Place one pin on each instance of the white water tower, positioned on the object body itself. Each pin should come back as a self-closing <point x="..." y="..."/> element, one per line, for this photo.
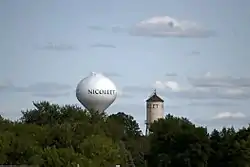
<point x="96" y="92"/>
<point x="154" y="110"/>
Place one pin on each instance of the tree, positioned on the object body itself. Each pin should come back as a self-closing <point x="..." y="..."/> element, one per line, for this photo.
<point x="53" y="135"/>
<point x="177" y="142"/>
<point x="123" y="127"/>
<point x="102" y="151"/>
<point x="230" y="148"/>
<point x="126" y="125"/>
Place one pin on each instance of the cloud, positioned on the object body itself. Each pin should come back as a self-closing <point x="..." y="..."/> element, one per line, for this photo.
<point x="207" y="94"/>
<point x="45" y="89"/>
<point x="96" y="28"/>
<point x="4" y="85"/>
<point x="171" y="74"/>
<point x="111" y="74"/>
<point x="100" y="45"/>
<point x="136" y="110"/>
<point x="225" y="119"/>
<point x="207" y="87"/>
<point x="172" y="89"/>
<point x="219" y="81"/>
<point x="172" y="85"/>
<point x="233" y="90"/>
<point x="51" y="95"/>
<point x="165" y="26"/>
<point x="162" y="26"/>
<point x="122" y="94"/>
<point x="229" y="115"/>
<point x="57" y="47"/>
<point x="118" y="29"/>
<point x="211" y="104"/>
<point x="136" y="89"/>
<point x="114" y="28"/>
<point x="195" y="52"/>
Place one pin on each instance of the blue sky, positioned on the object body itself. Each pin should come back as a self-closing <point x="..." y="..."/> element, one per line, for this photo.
<point x="196" y="53"/>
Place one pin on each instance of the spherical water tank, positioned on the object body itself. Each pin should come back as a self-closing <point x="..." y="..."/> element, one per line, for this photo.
<point x="96" y="92"/>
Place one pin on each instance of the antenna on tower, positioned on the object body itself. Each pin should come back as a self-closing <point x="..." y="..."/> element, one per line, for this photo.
<point x="154" y="93"/>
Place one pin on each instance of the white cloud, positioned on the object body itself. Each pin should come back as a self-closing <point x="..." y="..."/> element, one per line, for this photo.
<point x="195" y="52"/>
<point x="165" y="26"/>
<point x="226" y="86"/>
<point x="235" y="91"/>
<point x="171" y="74"/>
<point x="103" y="45"/>
<point x="225" y="119"/>
<point x="207" y="87"/>
<point x="196" y="88"/>
<point x="136" y="89"/>
<point x="5" y="85"/>
<point x="159" y="85"/>
<point x="57" y="47"/>
<point x="51" y="94"/>
<point x="162" y="26"/>
<point x="208" y="93"/>
<point x="43" y="89"/>
<point x="111" y="74"/>
<point x="172" y="85"/>
<point x="208" y="74"/>
<point x="231" y="115"/>
<point x="199" y="103"/>
<point x="96" y="28"/>
<point x="121" y="93"/>
<point x="209" y="80"/>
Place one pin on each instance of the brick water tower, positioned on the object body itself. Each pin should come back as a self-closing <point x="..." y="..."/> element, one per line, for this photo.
<point x="154" y="110"/>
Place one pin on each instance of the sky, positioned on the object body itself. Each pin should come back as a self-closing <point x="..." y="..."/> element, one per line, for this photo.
<point x="195" y="53"/>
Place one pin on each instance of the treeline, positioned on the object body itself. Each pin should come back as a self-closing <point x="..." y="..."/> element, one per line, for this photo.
<point x="63" y="136"/>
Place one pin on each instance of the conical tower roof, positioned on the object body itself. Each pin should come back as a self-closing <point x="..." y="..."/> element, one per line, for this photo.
<point x="154" y="98"/>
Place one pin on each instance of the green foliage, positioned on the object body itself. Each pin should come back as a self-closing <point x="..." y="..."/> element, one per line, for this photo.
<point x="54" y="136"/>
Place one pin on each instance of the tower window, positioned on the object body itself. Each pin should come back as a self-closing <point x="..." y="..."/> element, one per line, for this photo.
<point x="155" y="105"/>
